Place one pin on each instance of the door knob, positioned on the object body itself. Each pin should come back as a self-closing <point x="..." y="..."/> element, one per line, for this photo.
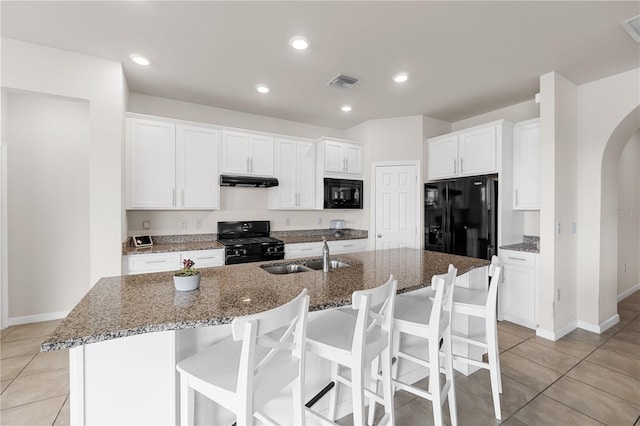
<point x="379" y="235"/>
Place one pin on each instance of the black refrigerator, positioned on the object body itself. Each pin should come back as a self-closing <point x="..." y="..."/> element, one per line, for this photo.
<point x="461" y="216"/>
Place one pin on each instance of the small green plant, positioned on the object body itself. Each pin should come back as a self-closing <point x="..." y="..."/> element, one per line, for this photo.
<point x="187" y="269"/>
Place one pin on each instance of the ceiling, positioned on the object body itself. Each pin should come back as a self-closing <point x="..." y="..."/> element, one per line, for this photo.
<point x="463" y="58"/>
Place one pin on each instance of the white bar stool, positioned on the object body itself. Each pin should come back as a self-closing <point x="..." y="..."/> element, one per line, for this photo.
<point x="266" y="354"/>
<point x="354" y="341"/>
<point x="428" y="316"/>
<point x="482" y="304"/>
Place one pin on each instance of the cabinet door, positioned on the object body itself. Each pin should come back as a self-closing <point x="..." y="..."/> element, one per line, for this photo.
<point x="353" y="158"/>
<point x="197" y="168"/>
<point x="526" y="166"/>
<point x="442" y="157"/>
<point x="519" y="287"/>
<point x="284" y="196"/>
<point x="334" y="160"/>
<point x="150" y="164"/>
<point x="305" y="175"/>
<point x="477" y="151"/>
<point x="235" y="152"/>
<point x="292" y="251"/>
<point x="261" y="158"/>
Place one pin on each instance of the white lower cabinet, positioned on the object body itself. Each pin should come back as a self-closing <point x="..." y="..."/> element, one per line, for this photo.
<point x="163" y="262"/>
<point x="518" y="295"/>
<point x="292" y="251"/>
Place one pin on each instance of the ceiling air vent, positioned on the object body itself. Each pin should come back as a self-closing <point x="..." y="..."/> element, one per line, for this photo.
<point x="344" y="82"/>
<point x="633" y="28"/>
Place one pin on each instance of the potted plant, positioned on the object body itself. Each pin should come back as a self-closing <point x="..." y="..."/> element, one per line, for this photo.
<point x="188" y="278"/>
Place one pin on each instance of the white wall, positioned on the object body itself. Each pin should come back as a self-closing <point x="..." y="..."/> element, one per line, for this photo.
<point x="514" y="113"/>
<point x="389" y="139"/>
<point x="235" y="203"/>
<point x="607" y="119"/>
<point x="38" y="69"/>
<point x="629" y="215"/>
<point x="48" y="202"/>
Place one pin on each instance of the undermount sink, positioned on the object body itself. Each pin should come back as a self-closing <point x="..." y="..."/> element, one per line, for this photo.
<point x="317" y="264"/>
<point x="285" y="269"/>
<point x="309" y="265"/>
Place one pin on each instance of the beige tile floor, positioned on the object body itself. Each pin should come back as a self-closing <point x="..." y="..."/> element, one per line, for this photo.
<point x="582" y="379"/>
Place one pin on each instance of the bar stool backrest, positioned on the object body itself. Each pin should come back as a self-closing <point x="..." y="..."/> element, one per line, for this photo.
<point x="440" y="318"/>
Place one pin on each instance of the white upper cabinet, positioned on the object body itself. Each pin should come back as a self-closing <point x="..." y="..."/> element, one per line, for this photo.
<point x="340" y="157"/>
<point x="464" y="153"/>
<point x="247" y="154"/>
<point x="171" y="166"/>
<point x="150" y="165"/>
<point x="295" y="170"/>
<point x="526" y="165"/>
<point x="197" y="170"/>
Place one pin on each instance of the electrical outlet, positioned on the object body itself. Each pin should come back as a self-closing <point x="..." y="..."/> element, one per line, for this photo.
<point x="573" y="227"/>
<point x="558" y="228"/>
<point x="146" y="224"/>
<point x="199" y="224"/>
<point x="625" y="268"/>
<point x="182" y="224"/>
<point x="287" y="221"/>
<point x="557" y="295"/>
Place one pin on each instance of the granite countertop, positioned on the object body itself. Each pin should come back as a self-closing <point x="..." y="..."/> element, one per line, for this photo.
<point x="135" y="304"/>
<point x="529" y="248"/>
<point x="172" y="243"/>
<point x="529" y="244"/>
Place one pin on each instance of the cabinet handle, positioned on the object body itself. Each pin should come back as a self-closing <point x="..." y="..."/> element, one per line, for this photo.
<point x="306" y="249"/>
<point x="206" y="257"/>
<point x="348" y="245"/>
<point x="182" y="190"/>
<point x="346" y="160"/>
<point x="516" y="198"/>
<point x="248" y="169"/>
<point x="156" y="261"/>
<point x="516" y="258"/>
<point x="455" y="168"/>
<point x="251" y="162"/>
<point x="461" y="168"/>
<point x="173" y="196"/>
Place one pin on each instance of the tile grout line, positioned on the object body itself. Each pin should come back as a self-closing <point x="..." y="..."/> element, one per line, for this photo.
<point x="60" y="410"/>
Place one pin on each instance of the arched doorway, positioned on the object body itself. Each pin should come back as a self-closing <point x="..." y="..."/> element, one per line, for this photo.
<point x="608" y="279"/>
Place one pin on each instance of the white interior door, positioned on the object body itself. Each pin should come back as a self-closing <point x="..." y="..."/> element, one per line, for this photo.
<point x="396" y="198"/>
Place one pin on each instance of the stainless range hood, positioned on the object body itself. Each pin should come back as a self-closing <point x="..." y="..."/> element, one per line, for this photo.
<point x="250" y="181"/>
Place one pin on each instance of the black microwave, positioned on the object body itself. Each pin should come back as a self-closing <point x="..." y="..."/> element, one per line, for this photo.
<point x="342" y="194"/>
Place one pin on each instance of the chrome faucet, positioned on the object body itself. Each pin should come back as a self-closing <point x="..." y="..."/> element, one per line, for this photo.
<point x="325" y="255"/>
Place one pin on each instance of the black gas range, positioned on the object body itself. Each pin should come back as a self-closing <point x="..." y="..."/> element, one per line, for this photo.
<point x="248" y="242"/>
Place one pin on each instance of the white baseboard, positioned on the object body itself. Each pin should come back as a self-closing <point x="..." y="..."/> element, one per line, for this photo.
<point x="628" y="292"/>
<point x="557" y="335"/>
<point x="599" y="328"/>
<point x="38" y="318"/>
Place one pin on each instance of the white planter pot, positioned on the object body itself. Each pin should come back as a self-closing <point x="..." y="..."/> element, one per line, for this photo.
<point x="189" y="283"/>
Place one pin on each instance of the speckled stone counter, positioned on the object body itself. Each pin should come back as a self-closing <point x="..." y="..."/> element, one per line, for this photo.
<point x="128" y="305"/>
<point x="529" y="244"/>
<point x="172" y="243"/>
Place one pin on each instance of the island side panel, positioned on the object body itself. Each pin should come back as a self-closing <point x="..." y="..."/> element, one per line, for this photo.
<point x="125" y="381"/>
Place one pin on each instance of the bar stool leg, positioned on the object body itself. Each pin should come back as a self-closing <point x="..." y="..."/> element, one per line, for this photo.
<point x="375" y="367"/>
<point x="187" y="402"/>
<point x="357" y="392"/>
<point x="333" y="398"/>
<point x="387" y="386"/>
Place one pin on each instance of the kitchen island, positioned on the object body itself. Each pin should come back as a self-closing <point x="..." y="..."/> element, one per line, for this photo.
<point x="127" y="333"/>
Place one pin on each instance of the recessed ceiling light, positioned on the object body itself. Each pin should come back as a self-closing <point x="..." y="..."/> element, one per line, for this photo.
<point x="299" y="42"/>
<point x="262" y="88"/>
<point x="401" y="77"/>
<point x="346" y="108"/>
<point x="140" y="60"/>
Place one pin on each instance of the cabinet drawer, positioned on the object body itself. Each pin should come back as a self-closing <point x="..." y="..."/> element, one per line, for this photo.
<point x="204" y="258"/>
<point x="518" y="258"/>
<point x="291" y="251"/>
<point x="347" y="246"/>
<point x="156" y="262"/>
